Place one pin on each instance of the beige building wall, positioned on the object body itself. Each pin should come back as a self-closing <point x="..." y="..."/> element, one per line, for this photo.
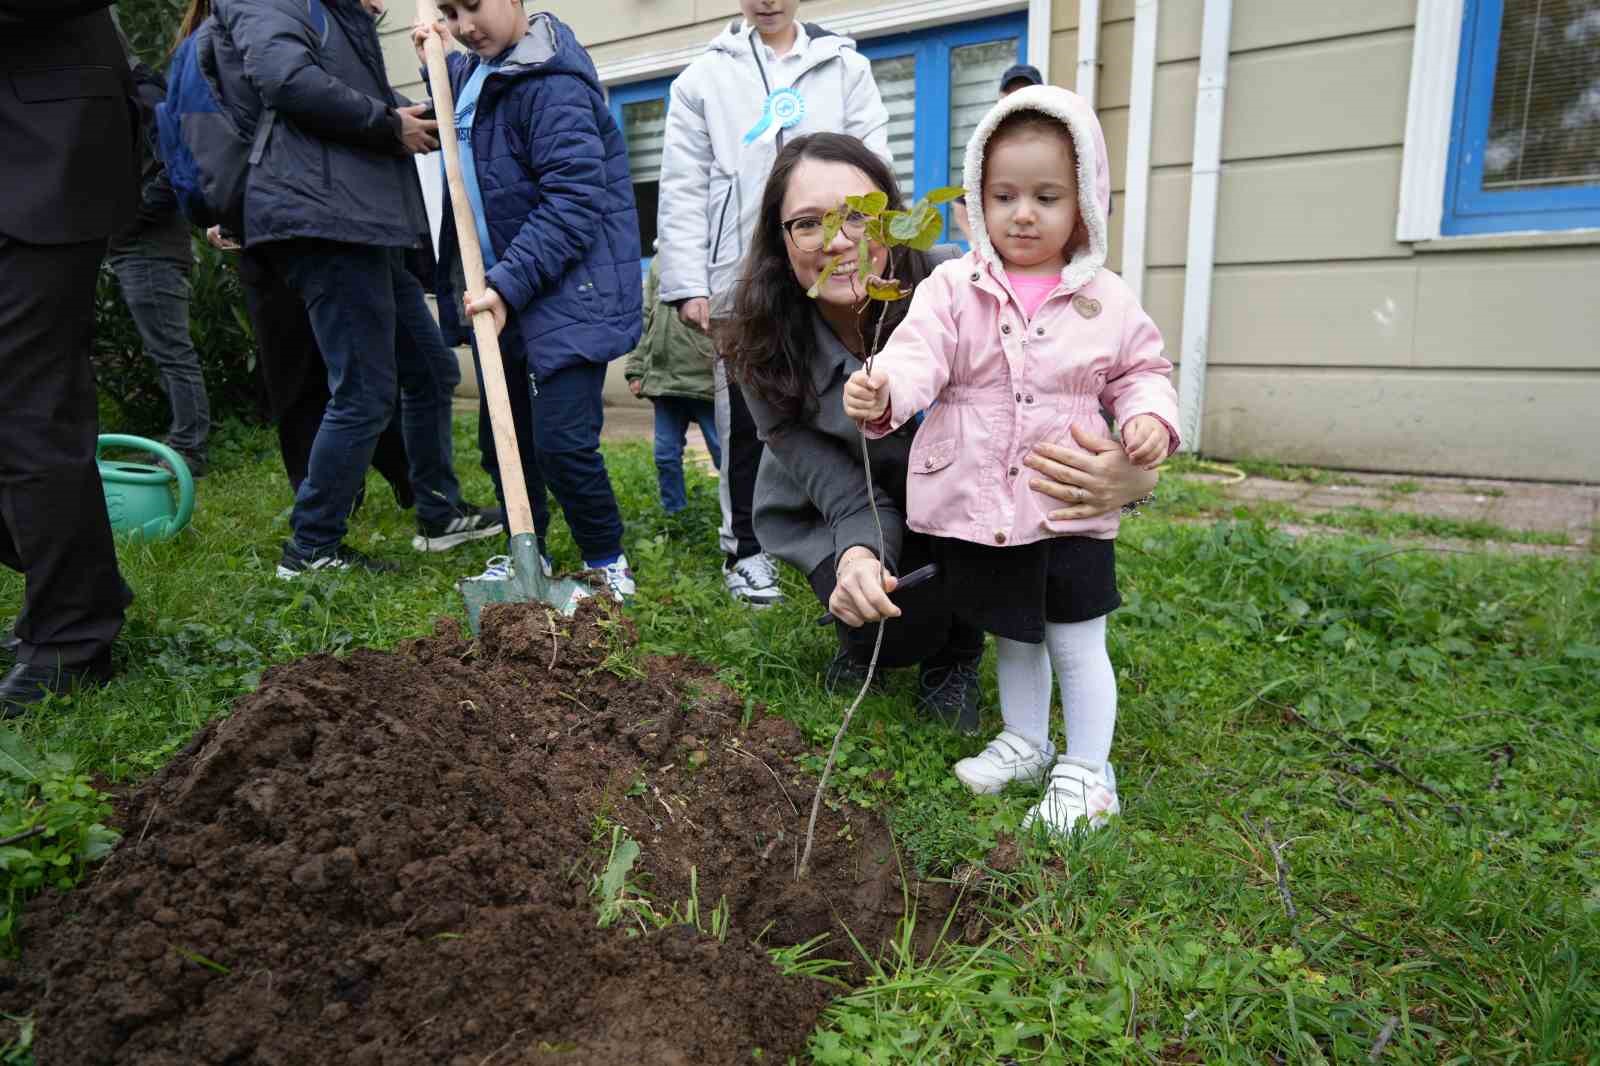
<point x="1330" y="342"/>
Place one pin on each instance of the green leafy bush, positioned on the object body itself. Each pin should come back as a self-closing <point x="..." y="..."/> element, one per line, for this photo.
<point x="53" y="822"/>
<point x="130" y="384"/>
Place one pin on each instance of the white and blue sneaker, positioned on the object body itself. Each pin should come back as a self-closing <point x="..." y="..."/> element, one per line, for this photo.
<point x="499" y="568"/>
<point x="619" y="579"/>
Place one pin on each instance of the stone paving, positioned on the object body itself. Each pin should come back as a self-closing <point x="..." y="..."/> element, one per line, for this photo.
<point x="1527" y="506"/>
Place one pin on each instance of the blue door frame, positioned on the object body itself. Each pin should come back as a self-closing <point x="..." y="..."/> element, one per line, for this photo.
<point x="931" y="49"/>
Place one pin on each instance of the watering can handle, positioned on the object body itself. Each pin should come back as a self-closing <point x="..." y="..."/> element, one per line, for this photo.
<point x="180" y="468"/>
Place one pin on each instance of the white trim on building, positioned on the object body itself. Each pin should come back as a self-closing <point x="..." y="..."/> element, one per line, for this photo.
<point x="1435" y="49"/>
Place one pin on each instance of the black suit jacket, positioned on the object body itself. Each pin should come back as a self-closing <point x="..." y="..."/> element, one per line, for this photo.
<point x="69" y="161"/>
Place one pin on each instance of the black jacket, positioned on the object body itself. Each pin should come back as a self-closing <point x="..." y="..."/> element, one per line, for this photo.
<point x="333" y="166"/>
<point x="68" y="116"/>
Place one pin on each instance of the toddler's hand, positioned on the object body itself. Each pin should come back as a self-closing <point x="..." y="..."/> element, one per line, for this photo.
<point x="1146" y="441"/>
<point x="866" y="397"/>
<point x="636" y="386"/>
<point x="491" y="302"/>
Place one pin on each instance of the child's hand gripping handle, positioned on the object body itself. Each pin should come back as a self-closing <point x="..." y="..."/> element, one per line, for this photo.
<point x="519" y="514"/>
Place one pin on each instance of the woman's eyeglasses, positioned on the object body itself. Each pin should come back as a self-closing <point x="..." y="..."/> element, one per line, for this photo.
<point x="806" y="231"/>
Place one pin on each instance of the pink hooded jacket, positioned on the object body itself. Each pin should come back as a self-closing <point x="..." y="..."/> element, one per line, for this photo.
<point x="998" y="383"/>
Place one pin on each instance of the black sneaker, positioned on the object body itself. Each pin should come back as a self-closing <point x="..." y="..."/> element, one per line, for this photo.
<point x="27" y="684"/>
<point x="844" y="672"/>
<point x="468" y="523"/>
<point x="950" y="694"/>
<point x="293" y="564"/>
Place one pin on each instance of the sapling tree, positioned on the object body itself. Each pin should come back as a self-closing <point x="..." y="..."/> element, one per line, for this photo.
<point x="918" y="227"/>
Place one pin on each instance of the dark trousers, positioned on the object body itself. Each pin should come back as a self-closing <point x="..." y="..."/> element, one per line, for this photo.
<point x="741" y="453"/>
<point x="152" y="264"/>
<point x="673" y="417"/>
<point x="558" y="419"/>
<point x="927" y="631"/>
<point x="53" y="522"/>
<point x="349" y="296"/>
<point x="296" y="378"/>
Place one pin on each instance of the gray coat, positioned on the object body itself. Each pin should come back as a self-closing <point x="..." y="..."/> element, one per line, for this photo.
<point x="811" y="495"/>
<point x="332" y="165"/>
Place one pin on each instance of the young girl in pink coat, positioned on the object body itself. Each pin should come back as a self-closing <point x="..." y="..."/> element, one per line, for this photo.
<point x="1010" y="345"/>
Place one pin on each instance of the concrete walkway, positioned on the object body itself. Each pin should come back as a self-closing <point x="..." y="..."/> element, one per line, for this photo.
<point x="1562" y="509"/>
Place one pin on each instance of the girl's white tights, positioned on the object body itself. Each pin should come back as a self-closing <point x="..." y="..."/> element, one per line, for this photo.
<point x="1077" y="650"/>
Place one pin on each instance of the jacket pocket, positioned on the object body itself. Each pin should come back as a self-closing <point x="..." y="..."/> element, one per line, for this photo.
<point x="66" y="83"/>
<point x="724" y="219"/>
<point x="932" y="458"/>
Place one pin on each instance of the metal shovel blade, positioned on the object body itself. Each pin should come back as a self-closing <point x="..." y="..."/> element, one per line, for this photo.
<point x="526" y="584"/>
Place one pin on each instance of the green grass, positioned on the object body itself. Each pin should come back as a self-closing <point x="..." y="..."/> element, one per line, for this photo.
<point x="1415" y="736"/>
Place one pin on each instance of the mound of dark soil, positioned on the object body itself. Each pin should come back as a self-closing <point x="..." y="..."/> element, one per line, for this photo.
<point x="387" y="858"/>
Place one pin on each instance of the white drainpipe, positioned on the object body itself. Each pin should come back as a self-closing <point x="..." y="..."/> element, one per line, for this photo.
<point x="1141" y="121"/>
<point x="1211" y="94"/>
<point x="1088" y="48"/>
<point x="1039" y="31"/>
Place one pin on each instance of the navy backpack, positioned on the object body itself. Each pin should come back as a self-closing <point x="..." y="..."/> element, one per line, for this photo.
<point x="208" y="142"/>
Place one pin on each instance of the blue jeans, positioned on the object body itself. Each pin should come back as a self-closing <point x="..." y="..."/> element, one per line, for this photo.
<point x="558" y="420"/>
<point x="428" y="374"/>
<point x="673" y="415"/>
<point x="152" y="265"/>
<point x="353" y="297"/>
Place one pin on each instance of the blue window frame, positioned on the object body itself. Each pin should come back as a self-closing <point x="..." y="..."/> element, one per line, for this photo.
<point x="640" y="110"/>
<point x="932" y="51"/>
<point x="1525" y="136"/>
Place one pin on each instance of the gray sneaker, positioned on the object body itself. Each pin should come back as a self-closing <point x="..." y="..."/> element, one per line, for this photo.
<point x="753" y="581"/>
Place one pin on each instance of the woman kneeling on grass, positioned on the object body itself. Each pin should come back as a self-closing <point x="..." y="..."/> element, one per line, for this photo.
<point x="792" y="355"/>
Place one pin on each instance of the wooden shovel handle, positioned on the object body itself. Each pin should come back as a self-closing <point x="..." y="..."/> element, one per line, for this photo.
<point x="519" y="515"/>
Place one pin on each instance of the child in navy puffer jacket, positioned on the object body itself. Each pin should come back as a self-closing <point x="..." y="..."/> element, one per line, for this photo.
<point x="547" y="172"/>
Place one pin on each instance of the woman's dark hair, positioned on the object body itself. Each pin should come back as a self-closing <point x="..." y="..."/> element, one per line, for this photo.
<point x="768" y="338"/>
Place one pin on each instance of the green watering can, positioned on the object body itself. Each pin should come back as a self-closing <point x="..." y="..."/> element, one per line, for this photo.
<point x="139" y="497"/>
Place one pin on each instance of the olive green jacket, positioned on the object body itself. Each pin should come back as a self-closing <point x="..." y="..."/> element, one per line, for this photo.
<point x="672" y="359"/>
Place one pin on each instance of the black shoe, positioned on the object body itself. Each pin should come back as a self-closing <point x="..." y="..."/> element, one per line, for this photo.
<point x="845" y="673"/>
<point x="27" y="684"/>
<point x="197" y="464"/>
<point x="468" y="523"/>
<point x="293" y="564"/>
<point x="950" y="694"/>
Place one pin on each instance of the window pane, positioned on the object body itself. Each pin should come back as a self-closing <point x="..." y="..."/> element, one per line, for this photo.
<point x="974" y="87"/>
<point x="644" y="124"/>
<point x="1544" y="125"/>
<point x="897" y="84"/>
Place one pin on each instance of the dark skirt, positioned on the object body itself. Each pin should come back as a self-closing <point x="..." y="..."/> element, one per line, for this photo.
<point x="1013" y="592"/>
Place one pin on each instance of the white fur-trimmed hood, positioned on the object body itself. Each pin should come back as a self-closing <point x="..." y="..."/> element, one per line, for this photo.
<point x="1094" y="174"/>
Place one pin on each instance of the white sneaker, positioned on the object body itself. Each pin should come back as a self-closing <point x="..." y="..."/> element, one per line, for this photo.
<point x="1008" y="758"/>
<point x="753" y="580"/>
<point x="619" y="579"/>
<point x="1076" y="792"/>
<point x="499" y="569"/>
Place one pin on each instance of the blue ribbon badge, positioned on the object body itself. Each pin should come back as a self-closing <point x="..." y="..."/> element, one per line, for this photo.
<point x="783" y="109"/>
